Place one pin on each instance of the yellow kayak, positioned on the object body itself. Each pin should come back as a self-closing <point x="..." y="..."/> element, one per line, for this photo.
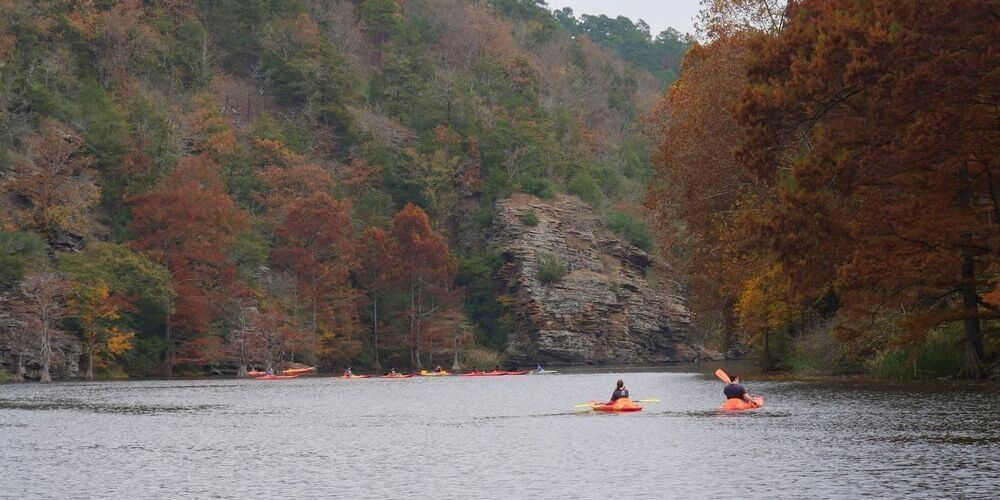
<point x="425" y="373"/>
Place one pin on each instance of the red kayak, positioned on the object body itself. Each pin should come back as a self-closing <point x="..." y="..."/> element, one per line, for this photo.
<point x="737" y="404"/>
<point x="276" y="377"/>
<point x="621" y="404"/>
<point x="398" y="375"/>
<point x="516" y="373"/>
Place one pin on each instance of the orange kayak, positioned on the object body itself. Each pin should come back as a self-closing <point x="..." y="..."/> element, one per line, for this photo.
<point x="276" y="377"/>
<point x="256" y="373"/>
<point x="483" y="374"/>
<point x="736" y="404"/>
<point x="622" y="404"/>
<point x="298" y="371"/>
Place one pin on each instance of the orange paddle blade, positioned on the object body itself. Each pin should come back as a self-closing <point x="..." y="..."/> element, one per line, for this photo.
<point x="723" y="376"/>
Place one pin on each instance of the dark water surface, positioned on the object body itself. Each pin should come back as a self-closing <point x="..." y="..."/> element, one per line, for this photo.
<point x="499" y="437"/>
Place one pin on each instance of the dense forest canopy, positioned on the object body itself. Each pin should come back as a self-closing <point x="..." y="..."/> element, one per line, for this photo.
<point x="200" y="184"/>
<point x="825" y="178"/>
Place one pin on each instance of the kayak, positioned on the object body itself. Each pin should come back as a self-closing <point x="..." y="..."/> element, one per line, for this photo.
<point x="425" y="373"/>
<point x="298" y="371"/>
<point x="355" y="376"/>
<point x="525" y="372"/>
<point x="276" y="377"/>
<point x="622" y="404"/>
<point x="543" y="372"/>
<point x="400" y="375"/>
<point x="255" y="373"/>
<point x="736" y="404"/>
<point x="482" y="374"/>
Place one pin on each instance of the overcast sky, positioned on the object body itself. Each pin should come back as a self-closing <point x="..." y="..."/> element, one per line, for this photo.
<point x="658" y="14"/>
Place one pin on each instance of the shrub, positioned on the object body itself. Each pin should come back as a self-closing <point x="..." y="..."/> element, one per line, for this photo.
<point x="3" y="376"/>
<point x="541" y="188"/>
<point x="481" y="359"/>
<point x="632" y="229"/>
<point x="529" y="219"/>
<point x="550" y="269"/>
<point x="935" y="357"/>
<point x="585" y="186"/>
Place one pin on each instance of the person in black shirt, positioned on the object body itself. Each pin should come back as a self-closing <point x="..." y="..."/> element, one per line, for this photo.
<point x="735" y="390"/>
<point x="620" y="391"/>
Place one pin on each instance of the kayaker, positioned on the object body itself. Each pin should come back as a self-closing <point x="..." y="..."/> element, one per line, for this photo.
<point x="392" y="371"/>
<point x="438" y="369"/>
<point x="539" y="369"/>
<point x="270" y="372"/>
<point x="620" y="391"/>
<point x="735" y="390"/>
<point x="496" y="368"/>
<point x="348" y="372"/>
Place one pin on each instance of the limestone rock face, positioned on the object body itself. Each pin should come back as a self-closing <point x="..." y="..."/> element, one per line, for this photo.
<point x="616" y="304"/>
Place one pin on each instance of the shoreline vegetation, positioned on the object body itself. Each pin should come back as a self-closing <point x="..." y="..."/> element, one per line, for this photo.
<point x="203" y="184"/>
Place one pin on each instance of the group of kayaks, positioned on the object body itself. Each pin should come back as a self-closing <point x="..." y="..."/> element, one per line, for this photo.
<point x="628" y="405"/>
<point x="282" y="375"/>
<point x="623" y="405"/>
<point x="442" y="373"/>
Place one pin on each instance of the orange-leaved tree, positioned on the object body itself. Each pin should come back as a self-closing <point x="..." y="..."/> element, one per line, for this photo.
<point x="186" y="224"/>
<point x="426" y="270"/>
<point x="700" y="195"/>
<point x="380" y="268"/>
<point x="877" y="120"/>
<point x="313" y="242"/>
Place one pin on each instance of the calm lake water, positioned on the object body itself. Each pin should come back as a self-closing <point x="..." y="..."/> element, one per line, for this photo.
<point x="499" y="437"/>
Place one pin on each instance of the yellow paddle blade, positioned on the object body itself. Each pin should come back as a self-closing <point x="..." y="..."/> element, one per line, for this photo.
<point x="647" y="400"/>
<point x="723" y="376"/>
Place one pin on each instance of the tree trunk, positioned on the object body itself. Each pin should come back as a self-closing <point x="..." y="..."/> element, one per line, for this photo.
<point x="314" y="306"/>
<point x="46" y="354"/>
<point x="973" y="337"/>
<point x="168" y="370"/>
<point x="420" y="312"/>
<point x="454" y="366"/>
<point x="19" y="372"/>
<point x="242" y="371"/>
<point x="90" y="363"/>
<point x="974" y="353"/>
<point x="413" y="311"/>
<point x="377" y="364"/>
<point x="767" y="350"/>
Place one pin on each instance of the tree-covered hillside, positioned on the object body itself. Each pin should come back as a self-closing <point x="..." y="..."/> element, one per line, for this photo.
<point x="218" y="183"/>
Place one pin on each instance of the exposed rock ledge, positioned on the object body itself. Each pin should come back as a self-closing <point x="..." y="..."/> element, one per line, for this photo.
<point x="617" y="304"/>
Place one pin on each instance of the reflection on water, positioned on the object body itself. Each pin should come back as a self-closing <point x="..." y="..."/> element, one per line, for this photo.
<point x="502" y="437"/>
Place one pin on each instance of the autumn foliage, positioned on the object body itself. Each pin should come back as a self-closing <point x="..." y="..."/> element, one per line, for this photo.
<point x="186" y="224"/>
<point x="854" y="172"/>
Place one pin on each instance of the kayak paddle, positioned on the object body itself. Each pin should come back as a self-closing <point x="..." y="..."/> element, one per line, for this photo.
<point x="723" y="376"/>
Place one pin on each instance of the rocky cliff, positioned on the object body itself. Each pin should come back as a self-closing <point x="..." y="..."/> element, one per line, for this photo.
<point x="614" y="304"/>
